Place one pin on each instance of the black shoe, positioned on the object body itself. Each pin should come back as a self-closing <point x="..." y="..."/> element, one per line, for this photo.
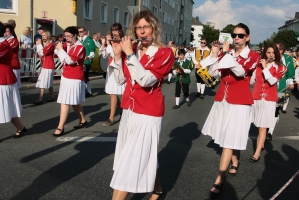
<point x="81" y="125"/>
<point x="168" y="82"/>
<point x="175" y="107"/>
<point x="235" y="168"/>
<point x="216" y="194"/>
<point x="88" y="95"/>
<point x="197" y="94"/>
<point x="188" y="103"/>
<point x="51" y="100"/>
<point x="254" y="160"/>
<point x="269" y="137"/>
<point x="284" y="111"/>
<point x="108" y="123"/>
<point x="60" y="134"/>
<point x="37" y="102"/>
<point x="202" y="96"/>
<point x="20" y="133"/>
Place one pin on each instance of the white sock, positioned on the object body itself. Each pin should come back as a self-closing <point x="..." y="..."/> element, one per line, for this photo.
<point x="169" y="76"/>
<point x="88" y="87"/>
<point x="177" y="101"/>
<point x="272" y="129"/>
<point x="198" y="87"/>
<point x="285" y="105"/>
<point x="202" y="88"/>
<point x="187" y="99"/>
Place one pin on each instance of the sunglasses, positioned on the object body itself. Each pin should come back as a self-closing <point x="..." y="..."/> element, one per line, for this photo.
<point x="80" y="31"/>
<point x="240" y="35"/>
<point x="203" y="43"/>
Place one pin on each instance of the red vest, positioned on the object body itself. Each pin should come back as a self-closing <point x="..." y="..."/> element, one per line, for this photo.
<point x="75" y="71"/>
<point x="7" y="77"/>
<point x="262" y="88"/>
<point x="47" y="58"/>
<point x="14" y="44"/>
<point x="148" y="100"/>
<point x="236" y="90"/>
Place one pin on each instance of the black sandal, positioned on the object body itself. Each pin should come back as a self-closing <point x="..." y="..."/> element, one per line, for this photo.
<point x="216" y="194"/>
<point x="161" y="195"/>
<point x="81" y="125"/>
<point x="37" y="102"/>
<point x="254" y="160"/>
<point x="60" y="134"/>
<point x="20" y="133"/>
<point x="235" y="168"/>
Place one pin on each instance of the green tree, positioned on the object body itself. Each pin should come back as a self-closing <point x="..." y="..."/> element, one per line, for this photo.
<point x="286" y="37"/>
<point x="228" y="29"/>
<point x="209" y="33"/>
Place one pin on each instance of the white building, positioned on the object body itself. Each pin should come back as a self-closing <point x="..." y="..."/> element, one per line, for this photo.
<point x="292" y="24"/>
<point x="197" y="26"/>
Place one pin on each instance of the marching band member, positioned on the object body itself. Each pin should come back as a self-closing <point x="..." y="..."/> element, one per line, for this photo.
<point x="10" y="102"/>
<point x="45" y="49"/>
<point x="14" y="44"/>
<point x="145" y="66"/>
<point x="199" y="54"/>
<point x="111" y="86"/>
<point x="183" y="68"/>
<point x="72" y="87"/>
<point x="229" y="120"/>
<point x="174" y="50"/>
<point x="266" y="76"/>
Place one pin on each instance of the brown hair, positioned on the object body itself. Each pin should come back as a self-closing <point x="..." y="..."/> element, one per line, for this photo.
<point x="276" y="53"/>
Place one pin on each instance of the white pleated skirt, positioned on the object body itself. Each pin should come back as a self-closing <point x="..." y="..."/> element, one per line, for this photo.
<point x="263" y="113"/>
<point x="135" y="161"/>
<point x="17" y="73"/>
<point x="10" y="102"/>
<point x="45" y="79"/>
<point x="111" y="87"/>
<point x="71" y="91"/>
<point x="228" y="124"/>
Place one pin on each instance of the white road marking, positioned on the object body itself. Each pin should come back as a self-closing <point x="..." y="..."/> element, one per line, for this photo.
<point x="279" y="138"/>
<point x="86" y="139"/>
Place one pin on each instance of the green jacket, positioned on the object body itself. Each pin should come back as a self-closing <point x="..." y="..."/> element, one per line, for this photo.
<point x="186" y="78"/>
<point x="288" y="75"/>
<point x="90" y="46"/>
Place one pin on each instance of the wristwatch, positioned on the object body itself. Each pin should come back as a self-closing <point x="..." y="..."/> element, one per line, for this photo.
<point x="129" y="56"/>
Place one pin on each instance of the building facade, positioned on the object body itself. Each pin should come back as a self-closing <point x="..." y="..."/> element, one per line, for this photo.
<point x="197" y="31"/>
<point x="292" y="24"/>
<point x="97" y="16"/>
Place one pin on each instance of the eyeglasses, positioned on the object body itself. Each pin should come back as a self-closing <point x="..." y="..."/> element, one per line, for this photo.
<point x="240" y="35"/>
<point x="203" y="42"/>
<point x="139" y="28"/>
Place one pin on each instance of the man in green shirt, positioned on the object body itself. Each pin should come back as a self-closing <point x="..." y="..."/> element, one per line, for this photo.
<point x="90" y="49"/>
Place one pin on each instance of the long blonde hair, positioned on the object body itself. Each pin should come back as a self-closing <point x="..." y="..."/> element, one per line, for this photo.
<point x="49" y="37"/>
<point x="150" y="17"/>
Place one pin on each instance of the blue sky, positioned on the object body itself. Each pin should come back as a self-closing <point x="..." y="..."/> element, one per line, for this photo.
<point x="263" y="17"/>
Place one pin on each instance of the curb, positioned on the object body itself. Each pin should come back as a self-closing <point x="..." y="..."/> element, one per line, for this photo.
<point x="28" y="86"/>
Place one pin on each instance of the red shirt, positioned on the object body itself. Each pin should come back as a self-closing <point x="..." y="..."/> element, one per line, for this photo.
<point x="262" y="88"/>
<point x="47" y="58"/>
<point x="148" y="100"/>
<point x="236" y="89"/>
<point x="75" y="70"/>
<point x="14" y="44"/>
<point x="7" y="77"/>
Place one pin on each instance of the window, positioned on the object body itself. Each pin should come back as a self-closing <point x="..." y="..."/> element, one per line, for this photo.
<point x="9" y="6"/>
<point x="161" y="2"/>
<point x="116" y="15"/>
<point x="104" y="8"/>
<point x="126" y="19"/>
<point x="88" y="9"/>
<point x="145" y="3"/>
<point x="155" y="10"/>
<point x="164" y="17"/>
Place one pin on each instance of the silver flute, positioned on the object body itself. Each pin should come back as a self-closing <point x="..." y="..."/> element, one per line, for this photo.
<point x="119" y="40"/>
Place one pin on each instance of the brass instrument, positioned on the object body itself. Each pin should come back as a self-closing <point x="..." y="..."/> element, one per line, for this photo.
<point x="181" y="71"/>
<point x="207" y="79"/>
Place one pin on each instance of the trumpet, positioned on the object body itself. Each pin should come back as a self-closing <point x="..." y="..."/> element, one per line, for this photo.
<point x="119" y="40"/>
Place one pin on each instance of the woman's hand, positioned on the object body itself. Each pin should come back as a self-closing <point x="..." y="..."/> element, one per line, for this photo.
<point x="225" y="46"/>
<point x="215" y="49"/>
<point x="108" y="38"/>
<point x="117" y="50"/>
<point x="59" y="46"/>
<point x="38" y="41"/>
<point x="126" y="45"/>
<point x="263" y="62"/>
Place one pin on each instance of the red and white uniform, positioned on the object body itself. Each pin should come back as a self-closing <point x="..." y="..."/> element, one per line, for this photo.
<point x="265" y="94"/>
<point x="46" y="53"/>
<point x="72" y="88"/>
<point x="10" y="103"/>
<point x="15" y="63"/>
<point x="135" y="161"/>
<point x="229" y="120"/>
<point x="111" y="86"/>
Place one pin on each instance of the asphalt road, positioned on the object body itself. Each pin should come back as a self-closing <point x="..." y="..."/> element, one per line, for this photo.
<point x="40" y="166"/>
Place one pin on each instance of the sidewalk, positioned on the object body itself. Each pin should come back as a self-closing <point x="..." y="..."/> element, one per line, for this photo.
<point x="56" y="81"/>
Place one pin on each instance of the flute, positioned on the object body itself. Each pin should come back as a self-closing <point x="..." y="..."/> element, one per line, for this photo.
<point x="119" y="40"/>
<point x="221" y="44"/>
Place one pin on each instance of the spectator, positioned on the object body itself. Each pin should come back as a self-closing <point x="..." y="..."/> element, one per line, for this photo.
<point x="40" y="31"/>
<point x="26" y="38"/>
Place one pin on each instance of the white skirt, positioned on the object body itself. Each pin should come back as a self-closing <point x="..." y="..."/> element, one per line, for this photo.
<point x="111" y="87"/>
<point x="10" y="102"/>
<point x="45" y="79"/>
<point x="71" y="91"/>
<point x="17" y="73"/>
<point x="263" y="113"/>
<point x="135" y="161"/>
<point x="228" y="124"/>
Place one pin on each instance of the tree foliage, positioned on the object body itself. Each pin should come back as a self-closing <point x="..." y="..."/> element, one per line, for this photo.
<point x="209" y="33"/>
<point x="286" y="37"/>
<point x="228" y="29"/>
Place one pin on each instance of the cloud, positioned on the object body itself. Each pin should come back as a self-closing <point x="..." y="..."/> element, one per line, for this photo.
<point x="257" y="18"/>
